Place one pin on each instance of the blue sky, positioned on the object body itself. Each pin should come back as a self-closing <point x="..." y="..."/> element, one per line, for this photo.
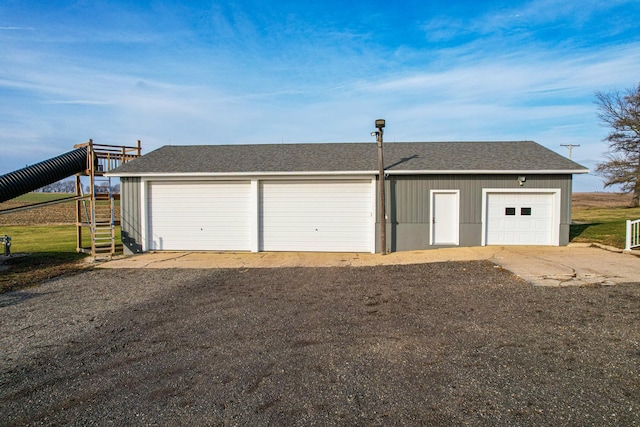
<point x="217" y="72"/>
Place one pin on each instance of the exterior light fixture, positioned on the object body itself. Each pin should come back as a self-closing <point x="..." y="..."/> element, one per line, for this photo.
<point x="521" y="180"/>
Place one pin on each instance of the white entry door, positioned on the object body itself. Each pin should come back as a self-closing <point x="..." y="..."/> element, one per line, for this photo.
<point x="445" y="227"/>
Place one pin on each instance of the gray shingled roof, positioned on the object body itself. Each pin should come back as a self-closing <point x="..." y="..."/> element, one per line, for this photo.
<point x="351" y="157"/>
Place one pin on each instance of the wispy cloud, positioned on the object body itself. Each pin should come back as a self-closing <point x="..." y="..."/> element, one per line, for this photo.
<point x="531" y="74"/>
<point x="9" y="28"/>
<point x="77" y="102"/>
<point x="548" y="20"/>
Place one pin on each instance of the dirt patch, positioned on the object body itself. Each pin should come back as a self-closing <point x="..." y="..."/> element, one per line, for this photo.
<point x="600" y="200"/>
<point x="461" y="343"/>
<point x="25" y="270"/>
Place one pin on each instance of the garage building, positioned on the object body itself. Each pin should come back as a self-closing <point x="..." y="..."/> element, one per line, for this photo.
<point x="323" y="197"/>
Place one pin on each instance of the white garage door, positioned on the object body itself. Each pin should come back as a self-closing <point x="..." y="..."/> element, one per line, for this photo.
<point x="199" y="216"/>
<point x="520" y="219"/>
<point x="323" y="216"/>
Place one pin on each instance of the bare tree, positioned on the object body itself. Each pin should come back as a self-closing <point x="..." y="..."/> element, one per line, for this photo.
<point x="621" y="112"/>
<point x="62" y="186"/>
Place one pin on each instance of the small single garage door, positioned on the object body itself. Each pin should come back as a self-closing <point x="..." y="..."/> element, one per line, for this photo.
<point x="322" y="216"/>
<point x="520" y="219"/>
<point x="199" y="216"/>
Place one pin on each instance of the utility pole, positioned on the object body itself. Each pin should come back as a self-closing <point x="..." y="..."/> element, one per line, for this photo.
<point x="570" y="147"/>
<point x="383" y="217"/>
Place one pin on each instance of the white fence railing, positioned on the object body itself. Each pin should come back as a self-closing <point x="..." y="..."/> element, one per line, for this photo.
<point x="633" y="234"/>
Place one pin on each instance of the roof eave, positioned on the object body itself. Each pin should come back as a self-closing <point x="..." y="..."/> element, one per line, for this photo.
<point x="352" y="173"/>
<point x="488" y="172"/>
<point x="239" y="174"/>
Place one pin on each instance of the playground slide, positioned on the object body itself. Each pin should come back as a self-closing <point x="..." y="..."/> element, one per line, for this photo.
<point x="44" y="173"/>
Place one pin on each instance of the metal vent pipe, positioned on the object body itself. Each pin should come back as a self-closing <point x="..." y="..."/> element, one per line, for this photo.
<point x="44" y="173"/>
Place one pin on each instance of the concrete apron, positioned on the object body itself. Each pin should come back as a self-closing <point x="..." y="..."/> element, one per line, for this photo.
<point x="573" y="265"/>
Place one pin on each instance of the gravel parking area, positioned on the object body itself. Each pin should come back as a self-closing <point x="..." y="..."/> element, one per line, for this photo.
<point x="452" y="343"/>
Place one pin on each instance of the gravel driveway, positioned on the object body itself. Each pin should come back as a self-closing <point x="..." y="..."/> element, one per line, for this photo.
<point x="458" y="343"/>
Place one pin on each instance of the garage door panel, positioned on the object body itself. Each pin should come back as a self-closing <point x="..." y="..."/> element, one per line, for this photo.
<point x="520" y="218"/>
<point x="199" y="215"/>
<point x="316" y="216"/>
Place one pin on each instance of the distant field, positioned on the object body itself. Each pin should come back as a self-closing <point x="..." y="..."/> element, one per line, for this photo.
<point x="38" y="197"/>
<point x="601" y="218"/>
<point x="62" y="213"/>
<point x="600" y="200"/>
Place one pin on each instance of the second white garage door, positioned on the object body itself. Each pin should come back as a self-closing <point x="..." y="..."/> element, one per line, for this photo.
<point x="199" y="216"/>
<point x="322" y="216"/>
<point x="520" y="219"/>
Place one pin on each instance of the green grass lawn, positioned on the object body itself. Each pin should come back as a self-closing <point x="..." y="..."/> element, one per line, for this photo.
<point x="42" y="238"/>
<point x="47" y="238"/>
<point x="602" y="225"/>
